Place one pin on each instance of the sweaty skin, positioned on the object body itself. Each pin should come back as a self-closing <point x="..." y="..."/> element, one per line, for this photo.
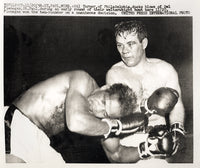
<point x="70" y="99"/>
<point x="49" y="103"/>
<point x="143" y="75"/>
<point x="155" y="74"/>
<point x="143" y="83"/>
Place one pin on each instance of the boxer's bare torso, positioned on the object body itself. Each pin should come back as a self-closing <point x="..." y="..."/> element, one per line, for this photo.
<point x="44" y="103"/>
<point x="143" y="80"/>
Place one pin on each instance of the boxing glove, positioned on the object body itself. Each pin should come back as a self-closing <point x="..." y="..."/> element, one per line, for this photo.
<point x="178" y="135"/>
<point x="126" y="125"/>
<point x="161" y="102"/>
<point x="158" y="144"/>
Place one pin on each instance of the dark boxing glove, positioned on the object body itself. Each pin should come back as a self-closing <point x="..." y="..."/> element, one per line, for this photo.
<point x="161" y="102"/>
<point x="178" y="134"/>
<point x="127" y="124"/>
<point x="158" y="144"/>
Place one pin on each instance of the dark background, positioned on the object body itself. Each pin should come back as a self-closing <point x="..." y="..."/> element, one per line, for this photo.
<point x="36" y="48"/>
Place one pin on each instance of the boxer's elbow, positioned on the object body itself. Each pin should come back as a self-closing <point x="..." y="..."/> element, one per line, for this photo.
<point x="76" y="124"/>
<point x="115" y="156"/>
<point x="125" y="155"/>
<point x="72" y="123"/>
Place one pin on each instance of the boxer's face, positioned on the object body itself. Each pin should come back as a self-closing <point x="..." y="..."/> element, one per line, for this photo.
<point x="103" y="105"/>
<point x="132" y="51"/>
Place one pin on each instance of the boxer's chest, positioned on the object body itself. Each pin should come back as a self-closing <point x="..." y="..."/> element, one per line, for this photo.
<point x="46" y="110"/>
<point x="150" y="81"/>
<point x="132" y="80"/>
<point x="143" y="84"/>
<point x="55" y="122"/>
<point x="53" y="117"/>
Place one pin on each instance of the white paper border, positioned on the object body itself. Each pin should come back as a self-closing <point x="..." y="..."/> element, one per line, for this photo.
<point x="193" y="7"/>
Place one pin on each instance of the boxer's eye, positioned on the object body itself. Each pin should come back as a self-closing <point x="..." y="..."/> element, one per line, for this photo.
<point x="119" y="45"/>
<point x="131" y="43"/>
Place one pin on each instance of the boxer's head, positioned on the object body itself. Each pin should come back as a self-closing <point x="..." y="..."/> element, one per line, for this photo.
<point x="128" y="27"/>
<point x="112" y="101"/>
<point x="131" y="40"/>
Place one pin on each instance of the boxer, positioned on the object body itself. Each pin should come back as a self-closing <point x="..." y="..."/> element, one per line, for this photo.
<point x="143" y="74"/>
<point x="155" y="142"/>
<point x="67" y="99"/>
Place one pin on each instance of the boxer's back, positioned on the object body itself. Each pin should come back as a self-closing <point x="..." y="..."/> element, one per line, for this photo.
<point x="44" y="103"/>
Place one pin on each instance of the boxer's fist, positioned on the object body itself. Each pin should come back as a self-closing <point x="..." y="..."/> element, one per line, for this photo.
<point x="178" y="134"/>
<point x="161" y="101"/>
<point x="127" y="124"/>
<point x="158" y="144"/>
<point x="134" y="122"/>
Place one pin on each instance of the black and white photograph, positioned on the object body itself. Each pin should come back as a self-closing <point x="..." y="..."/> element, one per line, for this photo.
<point x="98" y="89"/>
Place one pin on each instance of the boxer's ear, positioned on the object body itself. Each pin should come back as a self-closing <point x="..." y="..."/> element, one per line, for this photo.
<point x="144" y="43"/>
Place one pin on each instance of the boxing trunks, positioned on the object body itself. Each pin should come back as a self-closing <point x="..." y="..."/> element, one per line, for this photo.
<point x="33" y="146"/>
<point x="26" y="141"/>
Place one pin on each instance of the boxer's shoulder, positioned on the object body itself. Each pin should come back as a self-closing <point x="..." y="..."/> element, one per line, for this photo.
<point x="118" y="66"/>
<point x="79" y="74"/>
<point x="155" y="63"/>
<point x="65" y="78"/>
<point x="81" y="82"/>
<point x="117" y="71"/>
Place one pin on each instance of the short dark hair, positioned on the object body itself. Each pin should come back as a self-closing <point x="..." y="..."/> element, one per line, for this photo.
<point x="126" y="97"/>
<point x="132" y="26"/>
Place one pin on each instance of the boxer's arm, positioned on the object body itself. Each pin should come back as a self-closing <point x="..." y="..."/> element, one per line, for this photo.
<point x="177" y="115"/>
<point x="118" y="153"/>
<point x="79" y="119"/>
<point x="176" y="119"/>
